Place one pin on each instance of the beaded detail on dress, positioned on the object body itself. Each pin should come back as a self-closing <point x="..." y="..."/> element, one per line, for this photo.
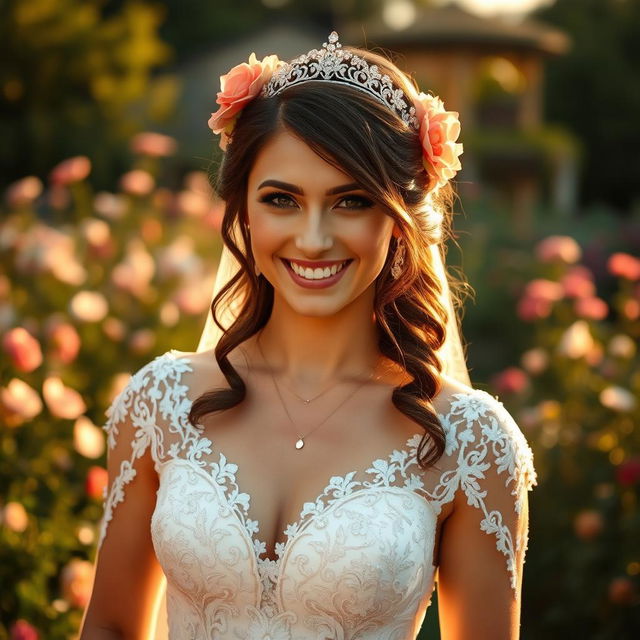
<point x="358" y="561"/>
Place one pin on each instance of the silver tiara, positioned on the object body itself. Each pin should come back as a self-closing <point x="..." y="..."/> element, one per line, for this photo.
<point x="334" y="64"/>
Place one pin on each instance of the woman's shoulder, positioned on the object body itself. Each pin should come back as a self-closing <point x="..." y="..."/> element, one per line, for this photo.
<point x="479" y="428"/>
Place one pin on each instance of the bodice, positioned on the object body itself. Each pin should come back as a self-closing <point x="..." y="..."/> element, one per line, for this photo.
<point x="358" y="562"/>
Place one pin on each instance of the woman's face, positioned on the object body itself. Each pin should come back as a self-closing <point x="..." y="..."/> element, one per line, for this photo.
<point x="303" y="209"/>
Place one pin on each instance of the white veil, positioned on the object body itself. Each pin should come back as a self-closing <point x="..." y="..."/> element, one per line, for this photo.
<point x="451" y="353"/>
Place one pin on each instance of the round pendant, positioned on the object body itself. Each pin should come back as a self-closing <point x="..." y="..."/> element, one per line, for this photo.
<point x="300" y="444"/>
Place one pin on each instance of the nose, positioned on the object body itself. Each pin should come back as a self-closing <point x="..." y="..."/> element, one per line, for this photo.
<point x="314" y="237"/>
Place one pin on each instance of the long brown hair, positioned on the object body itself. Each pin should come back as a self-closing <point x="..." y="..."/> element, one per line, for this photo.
<point x="361" y="137"/>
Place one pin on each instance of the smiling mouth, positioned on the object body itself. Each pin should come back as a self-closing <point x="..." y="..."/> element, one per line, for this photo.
<point x="317" y="273"/>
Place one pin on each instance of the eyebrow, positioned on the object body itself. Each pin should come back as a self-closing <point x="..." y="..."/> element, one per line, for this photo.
<point x="295" y="189"/>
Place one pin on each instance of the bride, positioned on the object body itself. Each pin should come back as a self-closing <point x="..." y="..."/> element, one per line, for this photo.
<point x="321" y="462"/>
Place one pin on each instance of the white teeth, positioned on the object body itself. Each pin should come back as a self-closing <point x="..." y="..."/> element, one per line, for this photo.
<point x="318" y="273"/>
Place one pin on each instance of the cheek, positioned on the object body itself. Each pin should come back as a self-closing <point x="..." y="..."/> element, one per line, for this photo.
<point x="265" y="232"/>
<point x="373" y="244"/>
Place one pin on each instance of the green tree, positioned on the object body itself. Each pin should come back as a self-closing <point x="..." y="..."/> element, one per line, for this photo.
<point x="71" y="72"/>
<point x="595" y="92"/>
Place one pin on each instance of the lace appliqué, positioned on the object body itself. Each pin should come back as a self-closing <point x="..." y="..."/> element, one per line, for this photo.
<point x="484" y="434"/>
<point x="480" y="434"/>
<point x="153" y="396"/>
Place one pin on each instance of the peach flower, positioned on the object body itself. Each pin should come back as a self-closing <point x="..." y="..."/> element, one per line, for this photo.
<point x="76" y="580"/>
<point x="22" y="630"/>
<point x="14" y="517"/>
<point x="588" y="524"/>
<point x="23" y="349"/>
<point x="64" y="341"/>
<point x="89" y="306"/>
<point x="618" y="399"/>
<point x="88" y="438"/>
<point x="576" y="341"/>
<point x="558" y="249"/>
<point x="19" y="402"/>
<point x="238" y="87"/>
<point x="24" y="191"/>
<point x="156" y="145"/>
<point x="511" y="380"/>
<point x="622" y="591"/>
<point x="439" y="130"/>
<point x="137" y="182"/>
<point x="535" y="361"/>
<point x="544" y="290"/>
<point x="71" y="170"/>
<point x="592" y="308"/>
<point x="624" y="265"/>
<point x="577" y="282"/>
<point x="62" y="401"/>
<point x="531" y="309"/>
<point x="96" y="482"/>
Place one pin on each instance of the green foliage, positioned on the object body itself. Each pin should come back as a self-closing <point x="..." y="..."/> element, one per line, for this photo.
<point x="92" y="286"/>
<point x="594" y="92"/>
<point x="569" y="372"/>
<point x="70" y="73"/>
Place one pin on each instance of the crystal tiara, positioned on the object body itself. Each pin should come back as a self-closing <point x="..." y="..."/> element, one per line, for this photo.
<point x="334" y="64"/>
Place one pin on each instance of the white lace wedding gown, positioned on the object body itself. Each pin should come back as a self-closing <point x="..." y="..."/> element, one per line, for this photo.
<point x="356" y="564"/>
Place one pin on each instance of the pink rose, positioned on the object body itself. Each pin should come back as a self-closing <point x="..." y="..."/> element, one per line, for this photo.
<point x="588" y="524"/>
<point x="23" y="192"/>
<point x="22" y="630"/>
<point x="96" y="481"/>
<point x="153" y="144"/>
<point x="624" y="266"/>
<point x="439" y="130"/>
<point x="64" y="341"/>
<point x="76" y="579"/>
<point x="631" y="309"/>
<point x="62" y="401"/>
<point x="238" y="87"/>
<point x="543" y="289"/>
<point x="137" y="182"/>
<point x="511" y="380"/>
<point x="23" y="349"/>
<point x="622" y="591"/>
<point x="558" y="249"/>
<point x="531" y="309"/>
<point x="628" y="472"/>
<point x="577" y="282"/>
<point x="71" y="170"/>
<point x="592" y="307"/>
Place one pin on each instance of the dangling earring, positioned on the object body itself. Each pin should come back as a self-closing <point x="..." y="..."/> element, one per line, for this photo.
<point x="398" y="259"/>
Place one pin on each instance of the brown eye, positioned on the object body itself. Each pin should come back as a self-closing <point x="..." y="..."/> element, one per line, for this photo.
<point x="276" y="199"/>
<point x="360" y="202"/>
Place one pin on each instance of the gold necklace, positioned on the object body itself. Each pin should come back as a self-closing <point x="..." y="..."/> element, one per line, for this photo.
<point x="300" y="441"/>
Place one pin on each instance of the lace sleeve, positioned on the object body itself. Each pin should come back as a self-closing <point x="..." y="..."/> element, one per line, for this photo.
<point x="132" y="433"/>
<point x="495" y="470"/>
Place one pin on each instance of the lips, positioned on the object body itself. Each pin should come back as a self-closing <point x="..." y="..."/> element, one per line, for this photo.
<point x="319" y="283"/>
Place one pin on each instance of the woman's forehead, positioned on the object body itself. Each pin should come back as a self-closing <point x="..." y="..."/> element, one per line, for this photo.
<point x="288" y="158"/>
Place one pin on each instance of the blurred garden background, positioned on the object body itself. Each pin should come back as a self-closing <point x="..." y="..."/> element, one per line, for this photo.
<point x="109" y="239"/>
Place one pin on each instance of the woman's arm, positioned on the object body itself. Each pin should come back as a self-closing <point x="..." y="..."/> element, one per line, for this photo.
<point x="484" y="540"/>
<point x="128" y="578"/>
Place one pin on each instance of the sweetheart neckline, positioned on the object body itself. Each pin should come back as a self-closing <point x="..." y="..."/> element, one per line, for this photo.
<point x="291" y="530"/>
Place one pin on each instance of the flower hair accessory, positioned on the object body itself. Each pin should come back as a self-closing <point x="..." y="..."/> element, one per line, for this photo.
<point x="238" y="87"/>
<point x="437" y="128"/>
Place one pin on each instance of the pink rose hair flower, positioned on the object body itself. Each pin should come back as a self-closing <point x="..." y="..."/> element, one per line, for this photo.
<point x="439" y="130"/>
<point x="238" y="87"/>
